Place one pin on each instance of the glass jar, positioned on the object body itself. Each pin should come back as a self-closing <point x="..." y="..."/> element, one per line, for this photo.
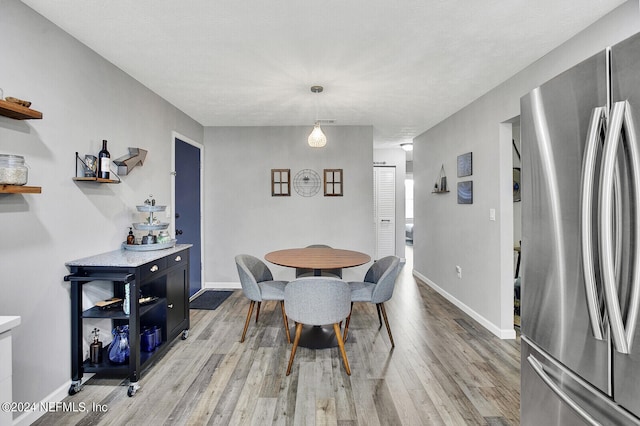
<point x="163" y="237"/>
<point x="13" y="171"/>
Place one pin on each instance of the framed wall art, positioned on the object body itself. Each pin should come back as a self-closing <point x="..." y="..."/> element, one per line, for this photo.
<point x="333" y="184"/>
<point x="465" y="192"/>
<point x="465" y="165"/>
<point x="280" y="182"/>
<point x="516" y="184"/>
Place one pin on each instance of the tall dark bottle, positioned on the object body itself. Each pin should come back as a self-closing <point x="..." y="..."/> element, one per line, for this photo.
<point x="104" y="161"/>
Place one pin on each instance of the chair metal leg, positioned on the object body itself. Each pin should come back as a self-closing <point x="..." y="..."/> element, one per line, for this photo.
<point x="258" y="312"/>
<point x="286" y="322"/>
<point x="336" y="328"/>
<point x="386" y="321"/>
<point x="295" y="346"/>
<point x="246" y="323"/>
<point x="379" y="317"/>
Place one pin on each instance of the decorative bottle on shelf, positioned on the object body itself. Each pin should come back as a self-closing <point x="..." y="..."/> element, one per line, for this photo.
<point x="104" y="162"/>
<point x="95" y="349"/>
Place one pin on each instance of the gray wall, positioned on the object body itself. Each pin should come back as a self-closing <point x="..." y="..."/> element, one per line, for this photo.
<point x="84" y="99"/>
<point x="448" y="234"/>
<point x="241" y="216"/>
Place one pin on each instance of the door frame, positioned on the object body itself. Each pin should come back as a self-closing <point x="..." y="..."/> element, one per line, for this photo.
<point x="175" y="135"/>
<point x="505" y="221"/>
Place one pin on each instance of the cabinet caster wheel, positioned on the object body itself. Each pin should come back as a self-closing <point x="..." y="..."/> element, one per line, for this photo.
<point x="132" y="390"/>
<point x="185" y="334"/>
<point x="75" y="388"/>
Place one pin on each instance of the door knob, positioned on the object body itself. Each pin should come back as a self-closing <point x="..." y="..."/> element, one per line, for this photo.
<point x="177" y="215"/>
<point x="178" y="231"/>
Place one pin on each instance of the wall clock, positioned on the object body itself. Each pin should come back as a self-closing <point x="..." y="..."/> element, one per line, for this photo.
<point x="306" y="183"/>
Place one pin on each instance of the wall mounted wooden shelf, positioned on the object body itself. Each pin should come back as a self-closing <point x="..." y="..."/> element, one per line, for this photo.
<point x="80" y="164"/>
<point x="20" y="189"/>
<point x="439" y="192"/>
<point x="94" y="179"/>
<point x="18" y="112"/>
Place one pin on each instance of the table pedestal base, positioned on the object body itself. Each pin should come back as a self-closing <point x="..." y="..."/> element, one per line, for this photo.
<point x="316" y="336"/>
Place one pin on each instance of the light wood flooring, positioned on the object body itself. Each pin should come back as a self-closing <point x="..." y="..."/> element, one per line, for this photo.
<point x="445" y="370"/>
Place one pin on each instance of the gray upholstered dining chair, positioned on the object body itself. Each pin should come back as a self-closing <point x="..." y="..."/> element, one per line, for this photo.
<point x="307" y="272"/>
<point x="317" y="301"/>
<point x="258" y="285"/>
<point x="377" y="287"/>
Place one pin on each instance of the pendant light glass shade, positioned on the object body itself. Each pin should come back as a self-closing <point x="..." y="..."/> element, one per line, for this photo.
<point x="317" y="139"/>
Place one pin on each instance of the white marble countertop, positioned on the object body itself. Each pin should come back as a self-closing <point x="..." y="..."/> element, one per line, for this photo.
<point x="8" y="322"/>
<point x="126" y="258"/>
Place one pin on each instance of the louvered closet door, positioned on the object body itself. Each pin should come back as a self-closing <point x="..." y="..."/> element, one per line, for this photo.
<point x="384" y="210"/>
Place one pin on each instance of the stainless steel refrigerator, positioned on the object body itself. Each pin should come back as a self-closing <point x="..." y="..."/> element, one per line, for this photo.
<point x="581" y="243"/>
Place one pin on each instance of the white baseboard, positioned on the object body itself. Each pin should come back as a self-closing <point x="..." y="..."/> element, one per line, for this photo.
<point x="504" y="334"/>
<point x="49" y="403"/>
<point x="222" y="285"/>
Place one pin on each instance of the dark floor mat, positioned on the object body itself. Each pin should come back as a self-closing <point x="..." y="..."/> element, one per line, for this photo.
<point x="210" y="299"/>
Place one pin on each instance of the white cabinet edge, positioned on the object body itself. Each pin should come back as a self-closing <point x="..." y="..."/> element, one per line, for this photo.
<point x="8" y="322"/>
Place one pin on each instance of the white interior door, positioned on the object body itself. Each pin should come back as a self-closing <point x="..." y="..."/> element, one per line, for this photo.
<point x="384" y="210"/>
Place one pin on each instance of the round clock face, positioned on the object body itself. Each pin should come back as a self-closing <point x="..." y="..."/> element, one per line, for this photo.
<point x="306" y="183"/>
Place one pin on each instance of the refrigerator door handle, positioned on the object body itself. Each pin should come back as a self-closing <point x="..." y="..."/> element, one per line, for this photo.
<point x="539" y="369"/>
<point x="621" y="333"/>
<point x="596" y="127"/>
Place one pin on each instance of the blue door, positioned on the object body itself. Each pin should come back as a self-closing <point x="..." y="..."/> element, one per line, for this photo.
<point x="187" y="210"/>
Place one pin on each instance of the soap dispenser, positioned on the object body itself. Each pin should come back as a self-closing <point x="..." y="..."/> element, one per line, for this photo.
<point x="131" y="239"/>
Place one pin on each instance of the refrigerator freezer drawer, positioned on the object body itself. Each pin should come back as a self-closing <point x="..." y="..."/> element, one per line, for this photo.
<point x="552" y="395"/>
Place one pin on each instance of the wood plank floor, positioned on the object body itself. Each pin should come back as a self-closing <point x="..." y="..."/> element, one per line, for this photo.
<point x="445" y="370"/>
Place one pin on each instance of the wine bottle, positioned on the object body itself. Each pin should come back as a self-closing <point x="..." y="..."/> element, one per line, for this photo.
<point x="104" y="161"/>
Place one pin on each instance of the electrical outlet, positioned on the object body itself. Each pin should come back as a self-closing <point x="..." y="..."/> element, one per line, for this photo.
<point x="459" y="271"/>
<point x="492" y="214"/>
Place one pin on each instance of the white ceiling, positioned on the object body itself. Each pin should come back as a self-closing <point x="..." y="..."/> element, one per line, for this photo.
<point x="401" y="66"/>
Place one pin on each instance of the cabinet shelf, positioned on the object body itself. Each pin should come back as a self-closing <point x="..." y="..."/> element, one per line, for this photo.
<point x="109" y="368"/>
<point x="20" y="189"/>
<point x="18" y="112"/>
<point x="96" y="312"/>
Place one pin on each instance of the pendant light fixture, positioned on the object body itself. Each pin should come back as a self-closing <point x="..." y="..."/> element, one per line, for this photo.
<point x="317" y="138"/>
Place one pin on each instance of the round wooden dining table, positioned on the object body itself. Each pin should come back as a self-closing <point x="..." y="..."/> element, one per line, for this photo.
<point x="317" y="258"/>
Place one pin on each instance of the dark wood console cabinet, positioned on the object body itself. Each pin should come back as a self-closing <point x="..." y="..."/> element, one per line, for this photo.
<point x="160" y="274"/>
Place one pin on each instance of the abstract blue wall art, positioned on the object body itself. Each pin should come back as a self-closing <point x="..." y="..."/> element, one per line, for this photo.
<point x="465" y="192"/>
<point x="465" y="165"/>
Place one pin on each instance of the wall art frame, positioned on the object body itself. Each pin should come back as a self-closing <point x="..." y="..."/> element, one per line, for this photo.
<point x="280" y="182"/>
<point x="516" y="184"/>
<point x="333" y="183"/>
<point x="465" y="192"/>
<point x="465" y="164"/>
